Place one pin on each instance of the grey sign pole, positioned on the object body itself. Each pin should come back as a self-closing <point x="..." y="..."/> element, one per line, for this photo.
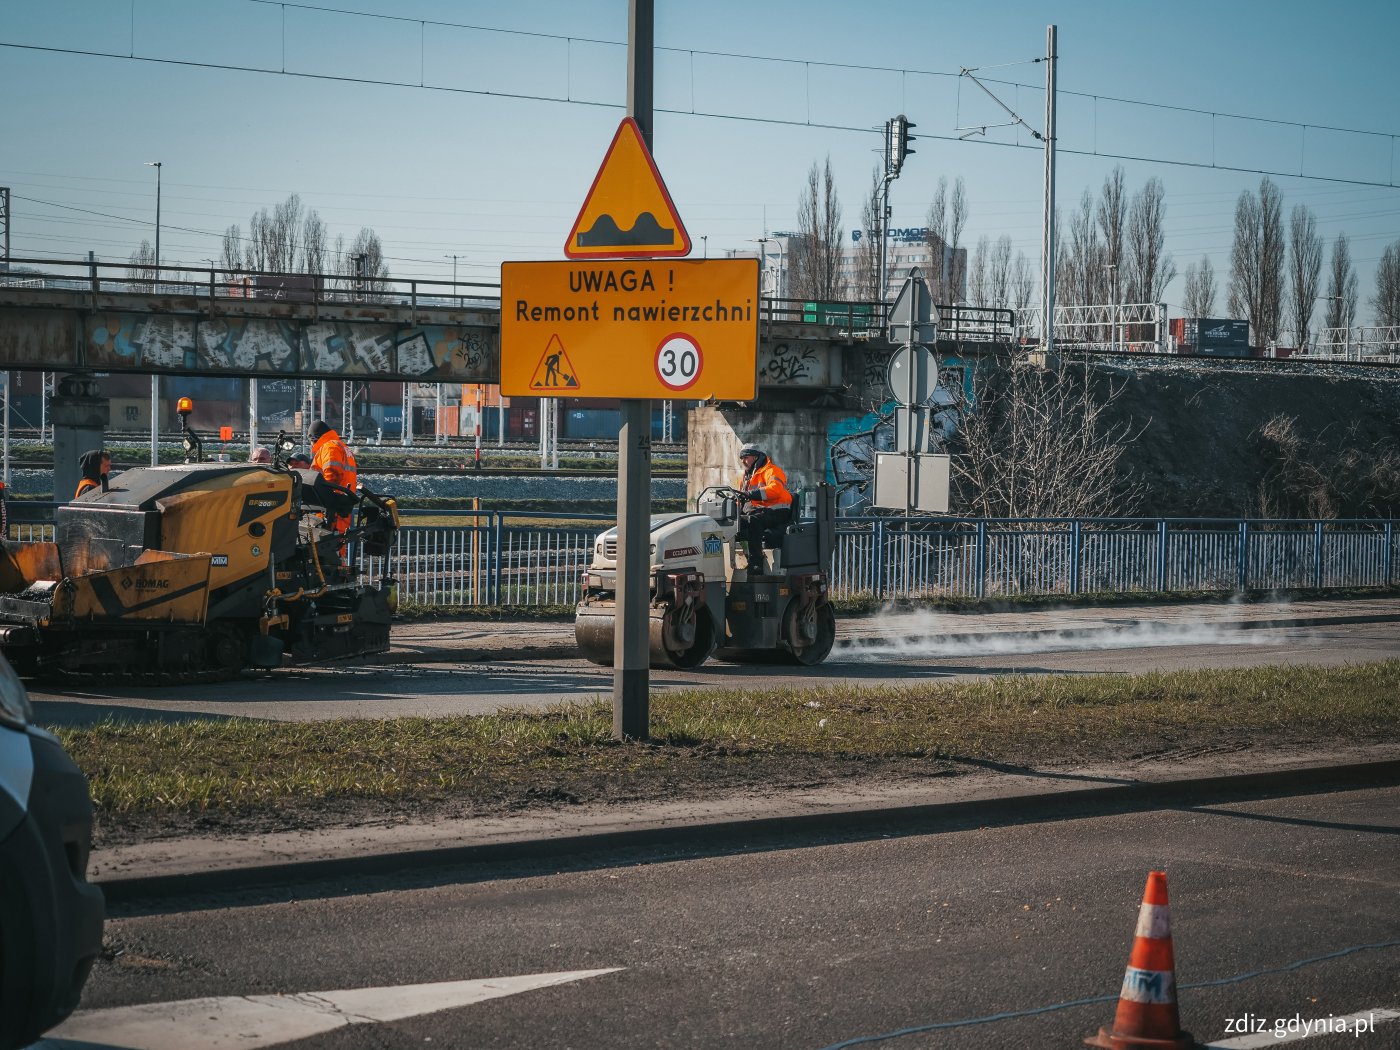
<point x="631" y="682"/>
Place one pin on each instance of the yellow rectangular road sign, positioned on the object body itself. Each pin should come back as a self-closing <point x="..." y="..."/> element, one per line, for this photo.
<point x="644" y="328"/>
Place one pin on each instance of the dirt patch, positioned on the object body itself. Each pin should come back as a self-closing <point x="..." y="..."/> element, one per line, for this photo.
<point x="700" y="775"/>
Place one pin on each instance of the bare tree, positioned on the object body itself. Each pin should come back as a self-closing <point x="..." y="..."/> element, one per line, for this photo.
<point x="1244" y="257"/>
<point x="231" y="250"/>
<point x="1387" y="298"/>
<point x="1023" y="283"/>
<point x="1256" y="287"/>
<point x="362" y="264"/>
<point x="1038" y="444"/>
<point x="977" y="273"/>
<point x="1150" y="268"/>
<point x="816" y="250"/>
<point x="141" y="266"/>
<point x="1305" y="272"/>
<point x="1341" y="286"/>
<point x="285" y="232"/>
<point x="1273" y="256"/>
<point x="957" y="222"/>
<point x="1256" y="261"/>
<point x="1112" y="222"/>
<point x="999" y="273"/>
<point x="1198" y="298"/>
<point x="313" y="240"/>
<point x="258" y="248"/>
<point x="937" y="242"/>
<point x="1083" y="269"/>
<point x="867" y="272"/>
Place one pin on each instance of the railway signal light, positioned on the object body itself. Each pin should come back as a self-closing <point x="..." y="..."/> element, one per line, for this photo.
<point x="897" y="139"/>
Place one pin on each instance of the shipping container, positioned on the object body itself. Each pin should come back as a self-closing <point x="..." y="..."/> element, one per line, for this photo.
<point x="1221" y="337"/>
<point x="287" y="287"/>
<point x="523" y="419"/>
<point x="589" y="424"/>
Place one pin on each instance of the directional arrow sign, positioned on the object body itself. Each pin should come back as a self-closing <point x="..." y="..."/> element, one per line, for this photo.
<point x="248" y="1022"/>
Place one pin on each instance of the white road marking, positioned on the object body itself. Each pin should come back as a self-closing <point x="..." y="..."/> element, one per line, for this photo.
<point x="251" y="1021"/>
<point x="1356" y="1024"/>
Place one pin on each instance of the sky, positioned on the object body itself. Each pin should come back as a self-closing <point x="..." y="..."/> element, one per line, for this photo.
<point x="475" y="129"/>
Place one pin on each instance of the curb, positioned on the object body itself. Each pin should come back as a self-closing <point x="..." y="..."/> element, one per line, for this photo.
<point x="769" y="832"/>
<point x="569" y="651"/>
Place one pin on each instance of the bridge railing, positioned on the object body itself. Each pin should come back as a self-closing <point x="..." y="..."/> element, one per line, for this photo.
<point x="869" y="320"/>
<point x="222" y="283"/>
<point x="858" y="320"/>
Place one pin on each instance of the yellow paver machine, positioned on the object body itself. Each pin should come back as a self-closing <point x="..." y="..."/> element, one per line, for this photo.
<point x="196" y="571"/>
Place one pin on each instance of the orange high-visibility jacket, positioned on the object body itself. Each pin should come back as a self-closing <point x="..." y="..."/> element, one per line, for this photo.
<point x="767" y="486"/>
<point x="336" y="464"/>
<point x="333" y="461"/>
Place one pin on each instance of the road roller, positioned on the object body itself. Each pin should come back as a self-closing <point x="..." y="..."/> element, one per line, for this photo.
<point x="707" y="600"/>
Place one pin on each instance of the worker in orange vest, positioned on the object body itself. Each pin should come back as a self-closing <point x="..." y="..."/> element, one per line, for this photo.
<point x="767" y="501"/>
<point x="336" y="464"/>
<point x="95" y="464"/>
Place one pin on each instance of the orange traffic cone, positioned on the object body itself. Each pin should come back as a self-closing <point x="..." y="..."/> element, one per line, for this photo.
<point x="1147" y="1018"/>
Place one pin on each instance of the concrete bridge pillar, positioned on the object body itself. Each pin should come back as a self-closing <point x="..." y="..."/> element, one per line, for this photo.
<point x="797" y="441"/>
<point x="80" y="417"/>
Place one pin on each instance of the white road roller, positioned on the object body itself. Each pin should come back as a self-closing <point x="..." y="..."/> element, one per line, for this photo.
<point x="706" y="599"/>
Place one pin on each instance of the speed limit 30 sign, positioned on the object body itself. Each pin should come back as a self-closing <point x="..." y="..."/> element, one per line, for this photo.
<point x="679" y="361"/>
<point x="638" y="329"/>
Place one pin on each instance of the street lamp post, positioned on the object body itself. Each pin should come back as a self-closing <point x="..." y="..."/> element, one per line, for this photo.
<point x="454" y="259"/>
<point x="1115" y="313"/>
<point x="762" y="263"/>
<point x="441" y="436"/>
<point x="155" y="379"/>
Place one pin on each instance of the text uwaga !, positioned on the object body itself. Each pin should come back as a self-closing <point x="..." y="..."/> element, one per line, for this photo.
<point x="630" y="282"/>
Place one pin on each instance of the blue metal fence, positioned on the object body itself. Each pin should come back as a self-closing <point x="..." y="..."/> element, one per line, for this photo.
<point x="486" y="562"/>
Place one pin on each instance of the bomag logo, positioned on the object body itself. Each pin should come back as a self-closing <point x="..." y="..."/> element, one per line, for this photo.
<point x="145" y="584"/>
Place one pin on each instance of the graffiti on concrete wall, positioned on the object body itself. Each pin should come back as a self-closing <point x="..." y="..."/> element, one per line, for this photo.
<point x="872" y="379"/>
<point x="164" y="342"/>
<point x="854" y="442"/>
<point x="794" y="364"/>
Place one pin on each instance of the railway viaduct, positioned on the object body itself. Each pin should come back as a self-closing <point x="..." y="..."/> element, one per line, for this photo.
<point x="821" y="367"/>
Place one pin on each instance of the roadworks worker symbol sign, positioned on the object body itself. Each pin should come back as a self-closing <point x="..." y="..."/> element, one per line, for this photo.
<point x="627" y="214"/>
<point x="555" y="374"/>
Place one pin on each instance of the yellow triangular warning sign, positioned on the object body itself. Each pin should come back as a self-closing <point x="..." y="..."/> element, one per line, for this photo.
<point x="627" y="214"/>
<point x="555" y="373"/>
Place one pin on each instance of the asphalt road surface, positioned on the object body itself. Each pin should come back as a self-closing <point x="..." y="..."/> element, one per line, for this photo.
<point x="369" y="690"/>
<point x="1282" y="912"/>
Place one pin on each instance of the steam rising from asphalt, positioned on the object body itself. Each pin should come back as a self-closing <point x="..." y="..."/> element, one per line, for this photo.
<point x="931" y="637"/>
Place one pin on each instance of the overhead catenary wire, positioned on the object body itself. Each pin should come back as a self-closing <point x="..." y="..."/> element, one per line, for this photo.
<point x="712" y="115"/>
<point x="807" y="64"/>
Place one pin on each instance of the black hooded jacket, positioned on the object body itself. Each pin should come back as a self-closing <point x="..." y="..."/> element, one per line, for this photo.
<point x="90" y="463"/>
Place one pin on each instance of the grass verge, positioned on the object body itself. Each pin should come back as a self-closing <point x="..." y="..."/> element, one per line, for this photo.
<point x="156" y="776"/>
